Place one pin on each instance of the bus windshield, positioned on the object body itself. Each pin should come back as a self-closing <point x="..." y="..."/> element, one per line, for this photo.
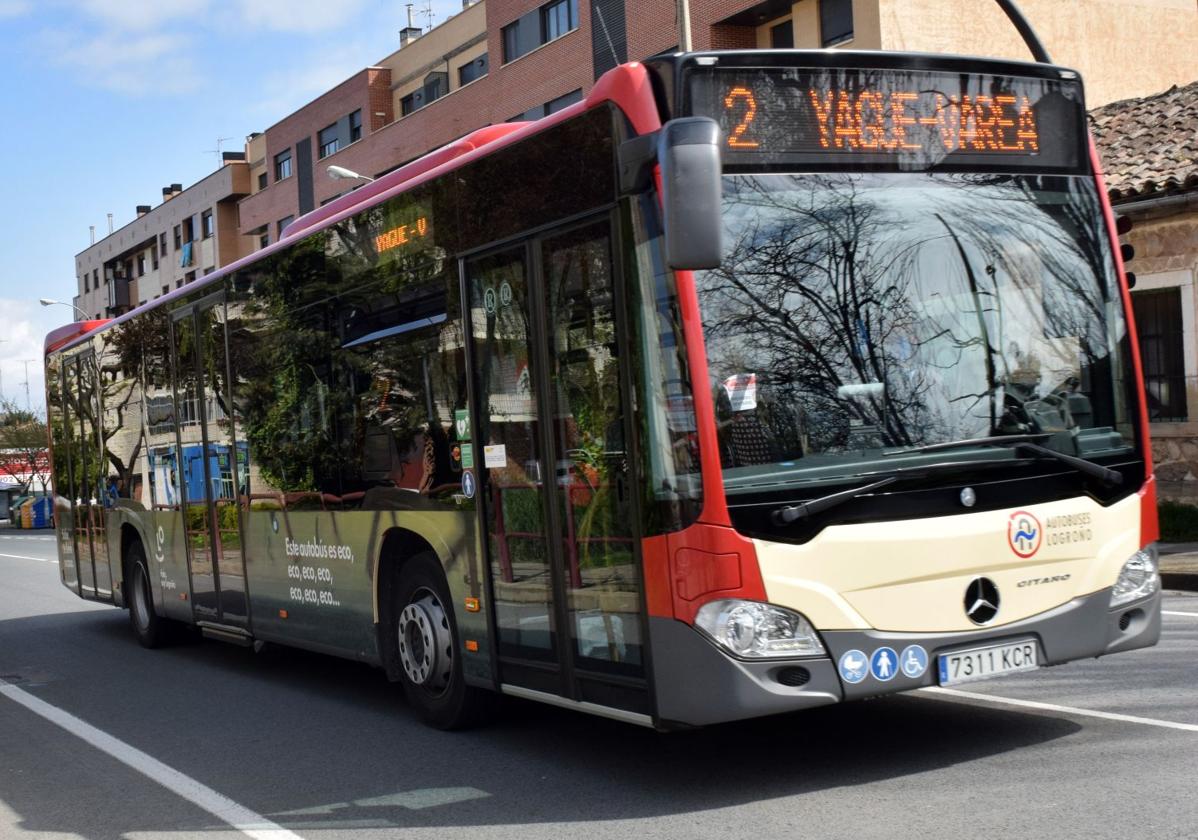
<point x="859" y="316"/>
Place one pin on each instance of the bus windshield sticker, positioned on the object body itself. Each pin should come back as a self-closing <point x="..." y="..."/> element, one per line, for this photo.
<point x="742" y="391"/>
<point x="906" y="119"/>
<point x="495" y="456"/>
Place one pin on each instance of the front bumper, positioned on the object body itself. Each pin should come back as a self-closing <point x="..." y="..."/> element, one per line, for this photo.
<point x="697" y="683"/>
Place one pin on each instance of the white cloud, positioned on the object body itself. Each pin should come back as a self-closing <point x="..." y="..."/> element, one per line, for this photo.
<point x="22" y="339"/>
<point x="14" y="8"/>
<point x="145" y="14"/>
<point x="300" y="15"/>
<point x="136" y="64"/>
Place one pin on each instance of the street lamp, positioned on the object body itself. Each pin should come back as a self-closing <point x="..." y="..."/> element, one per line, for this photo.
<point x="48" y="302"/>
<point x="338" y="173"/>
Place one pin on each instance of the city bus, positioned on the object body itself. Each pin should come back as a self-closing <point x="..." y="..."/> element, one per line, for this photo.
<point x="753" y="382"/>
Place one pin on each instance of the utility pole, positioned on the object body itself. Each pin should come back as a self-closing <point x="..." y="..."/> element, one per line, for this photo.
<point x="28" y="405"/>
<point x="684" y="25"/>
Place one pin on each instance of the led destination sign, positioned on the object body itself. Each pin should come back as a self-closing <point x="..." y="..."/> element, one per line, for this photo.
<point x="902" y="118"/>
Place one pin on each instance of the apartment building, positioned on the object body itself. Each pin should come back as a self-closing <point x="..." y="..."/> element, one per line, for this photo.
<point x="502" y="60"/>
<point x="191" y="233"/>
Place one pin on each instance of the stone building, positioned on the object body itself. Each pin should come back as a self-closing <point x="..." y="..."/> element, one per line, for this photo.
<point x="1149" y="148"/>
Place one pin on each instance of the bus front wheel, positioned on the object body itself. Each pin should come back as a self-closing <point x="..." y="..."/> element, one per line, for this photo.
<point x="426" y="639"/>
<point x="146" y="623"/>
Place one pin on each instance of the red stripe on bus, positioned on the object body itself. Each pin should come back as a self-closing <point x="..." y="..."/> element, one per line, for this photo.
<point x="1149" y="525"/>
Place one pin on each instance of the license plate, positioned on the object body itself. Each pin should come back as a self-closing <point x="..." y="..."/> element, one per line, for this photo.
<point x="963" y="666"/>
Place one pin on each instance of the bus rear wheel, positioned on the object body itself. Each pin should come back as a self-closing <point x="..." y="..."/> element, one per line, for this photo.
<point x="426" y="640"/>
<point x="145" y="622"/>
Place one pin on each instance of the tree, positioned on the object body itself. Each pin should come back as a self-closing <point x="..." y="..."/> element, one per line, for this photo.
<point x="24" y="454"/>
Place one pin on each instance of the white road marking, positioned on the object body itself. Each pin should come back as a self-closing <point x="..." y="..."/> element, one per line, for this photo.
<point x="27" y="557"/>
<point x="1175" y="612"/>
<point x="1069" y="710"/>
<point x="220" y="806"/>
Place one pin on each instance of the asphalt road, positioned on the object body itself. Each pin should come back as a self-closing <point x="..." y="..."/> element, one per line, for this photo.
<point x="312" y="746"/>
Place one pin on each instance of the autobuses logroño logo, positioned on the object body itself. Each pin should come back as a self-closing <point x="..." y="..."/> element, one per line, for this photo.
<point x="1024" y="533"/>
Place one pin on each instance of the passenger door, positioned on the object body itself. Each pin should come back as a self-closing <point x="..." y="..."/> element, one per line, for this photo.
<point x="552" y="469"/>
<point x="211" y="462"/>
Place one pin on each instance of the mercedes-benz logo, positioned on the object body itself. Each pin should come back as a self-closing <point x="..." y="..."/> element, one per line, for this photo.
<point x="981" y="600"/>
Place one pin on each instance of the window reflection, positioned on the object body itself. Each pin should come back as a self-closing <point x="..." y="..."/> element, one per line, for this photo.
<point x="856" y="313"/>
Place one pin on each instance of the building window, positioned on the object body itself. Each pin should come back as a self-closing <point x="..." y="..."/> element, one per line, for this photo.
<point x="261" y="180"/>
<point x="326" y="141"/>
<point x="141" y="265"/>
<point x="835" y="21"/>
<point x="286" y="220"/>
<point x="538" y="27"/>
<point x="178" y="238"/>
<point x="263" y="240"/>
<point x="153" y="258"/>
<point x="557" y="19"/>
<point x="283" y="165"/>
<point x="511" y="42"/>
<point x="207" y="228"/>
<point x="209" y="270"/>
<point x="95" y="278"/>
<point x="166" y="289"/>
<point x="162" y="244"/>
<point x="189" y="230"/>
<point x="1162" y="352"/>
<point x="355" y="126"/>
<point x="782" y="36"/>
<point x="86" y="286"/>
<point x="407" y="105"/>
<point x="470" y="71"/>
<point x="555" y="105"/>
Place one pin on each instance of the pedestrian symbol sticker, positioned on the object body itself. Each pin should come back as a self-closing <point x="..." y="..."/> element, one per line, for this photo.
<point x="914" y="661"/>
<point x="854" y="666"/>
<point x="468" y="484"/>
<point x="883" y="663"/>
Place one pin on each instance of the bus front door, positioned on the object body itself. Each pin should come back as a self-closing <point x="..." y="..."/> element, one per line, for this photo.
<point x="552" y="469"/>
<point x="210" y="470"/>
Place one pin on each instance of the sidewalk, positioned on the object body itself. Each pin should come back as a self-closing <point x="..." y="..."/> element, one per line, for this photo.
<point x="1179" y="565"/>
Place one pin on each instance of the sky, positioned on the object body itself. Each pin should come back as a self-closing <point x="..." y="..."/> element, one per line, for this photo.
<point x="107" y="101"/>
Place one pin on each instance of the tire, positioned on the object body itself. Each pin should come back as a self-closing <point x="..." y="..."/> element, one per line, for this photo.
<point x="425" y="634"/>
<point x="147" y="626"/>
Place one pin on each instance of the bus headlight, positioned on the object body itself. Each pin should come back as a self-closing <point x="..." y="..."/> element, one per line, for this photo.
<point x="758" y="631"/>
<point x="1138" y="578"/>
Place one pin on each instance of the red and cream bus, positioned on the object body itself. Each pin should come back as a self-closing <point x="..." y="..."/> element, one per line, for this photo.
<point x="753" y="382"/>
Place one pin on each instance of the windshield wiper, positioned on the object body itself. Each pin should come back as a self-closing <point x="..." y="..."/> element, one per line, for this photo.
<point x="788" y="514"/>
<point x="1103" y="474"/>
<point x="1025" y="443"/>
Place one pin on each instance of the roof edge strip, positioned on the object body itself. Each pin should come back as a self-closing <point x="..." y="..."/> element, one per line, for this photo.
<point x="60" y="336"/>
<point x="627" y="86"/>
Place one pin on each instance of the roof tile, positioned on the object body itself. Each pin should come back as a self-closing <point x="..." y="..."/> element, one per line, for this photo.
<point x="1149" y="145"/>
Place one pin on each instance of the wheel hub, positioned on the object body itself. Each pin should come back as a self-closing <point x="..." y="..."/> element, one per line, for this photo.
<point x="425" y="643"/>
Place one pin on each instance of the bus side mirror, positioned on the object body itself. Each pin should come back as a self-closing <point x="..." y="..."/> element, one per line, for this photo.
<point x="688" y="150"/>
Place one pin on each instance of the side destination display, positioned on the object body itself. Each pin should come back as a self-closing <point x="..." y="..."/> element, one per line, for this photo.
<point x="904" y="119"/>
